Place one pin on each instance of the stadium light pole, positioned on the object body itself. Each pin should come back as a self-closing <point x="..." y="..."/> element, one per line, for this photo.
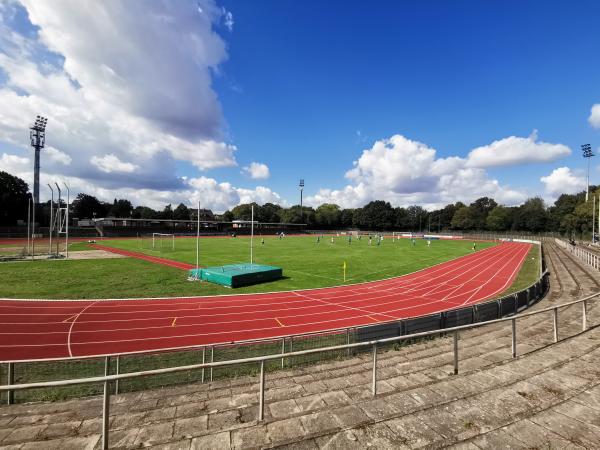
<point x="587" y="153"/>
<point x="301" y="189"/>
<point x="37" y="135"/>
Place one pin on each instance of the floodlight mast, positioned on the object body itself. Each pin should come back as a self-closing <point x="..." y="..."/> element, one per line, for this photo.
<point x="587" y="153"/>
<point x="37" y="135"/>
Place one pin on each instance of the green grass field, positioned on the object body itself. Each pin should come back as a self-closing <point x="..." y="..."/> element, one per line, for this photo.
<point x="305" y="264"/>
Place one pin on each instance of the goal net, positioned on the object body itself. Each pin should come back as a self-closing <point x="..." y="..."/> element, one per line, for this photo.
<point x="160" y="240"/>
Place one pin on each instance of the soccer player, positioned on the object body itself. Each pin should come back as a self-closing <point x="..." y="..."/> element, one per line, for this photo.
<point x="428" y="243"/>
<point x="332" y="239"/>
<point x="414" y="242"/>
<point x="474" y="246"/>
<point x="349" y="239"/>
<point x="262" y="241"/>
<point x="370" y="239"/>
<point x="318" y="239"/>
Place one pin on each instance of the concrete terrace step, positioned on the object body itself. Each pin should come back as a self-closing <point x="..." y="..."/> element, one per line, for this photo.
<point x="468" y="406"/>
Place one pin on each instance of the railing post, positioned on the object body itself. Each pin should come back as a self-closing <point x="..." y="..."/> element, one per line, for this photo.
<point x="584" y="316"/>
<point x="118" y="367"/>
<point x="555" y="320"/>
<point x="374" y="386"/>
<point x="291" y="360"/>
<point x="105" y="415"/>
<point x="282" y="352"/>
<point x="514" y="337"/>
<point x="106" y="366"/>
<point x="10" y="395"/>
<point x="348" y="340"/>
<point x="261" y="394"/>
<point x="456" y="352"/>
<point x="212" y="359"/>
<point x="203" y="361"/>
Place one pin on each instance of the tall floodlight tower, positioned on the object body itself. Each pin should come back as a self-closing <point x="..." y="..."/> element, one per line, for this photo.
<point x="301" y="189"/>
<point x="37" y="134"/>
<point x="587" y="153"/>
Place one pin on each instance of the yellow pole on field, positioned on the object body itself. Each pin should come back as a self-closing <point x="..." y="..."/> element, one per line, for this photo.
<point x="344" y="271"/>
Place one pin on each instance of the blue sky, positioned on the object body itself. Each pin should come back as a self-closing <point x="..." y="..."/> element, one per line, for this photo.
<point x="306" y="89"/>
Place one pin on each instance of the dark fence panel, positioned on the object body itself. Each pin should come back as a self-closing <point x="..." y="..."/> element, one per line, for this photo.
<point x="508" y="306"/>
<point x="523" y="299"/>
<point x="457" y="317"/>
<point x="487" y="311"/>
<point x="382" y="331"/>
<point x="421" y="324"/>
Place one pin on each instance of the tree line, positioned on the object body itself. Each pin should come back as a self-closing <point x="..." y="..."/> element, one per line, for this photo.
<point x="570" y="214"/>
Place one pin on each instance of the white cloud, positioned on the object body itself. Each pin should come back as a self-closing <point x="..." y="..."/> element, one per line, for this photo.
<point x="256" y="171"/>
<point x="144" y="95"/>
<point x="515" y="150"/>
<point x="594" y="118"/>
<point x="58" y="156"/>
<point x="14" y="164"/>
<point x="111" y="163"/>
<point x="564" y="181"/>
<point x="405" y="172"/>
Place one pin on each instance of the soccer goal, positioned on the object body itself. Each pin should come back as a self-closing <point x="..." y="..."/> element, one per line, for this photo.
<point x="162" y="239"/>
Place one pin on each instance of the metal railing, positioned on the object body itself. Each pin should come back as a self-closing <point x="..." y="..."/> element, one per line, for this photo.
<point x="589" y="258"/>
<point x="74" y="367"/>
<point x="260" y="360"/>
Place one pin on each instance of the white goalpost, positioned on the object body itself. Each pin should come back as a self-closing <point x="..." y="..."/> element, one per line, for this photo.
<point x="159" y="237"/>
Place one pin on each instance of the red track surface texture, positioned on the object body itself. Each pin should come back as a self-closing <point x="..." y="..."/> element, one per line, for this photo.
<point x="138" y="255"/>
<point x="55" y="329"/>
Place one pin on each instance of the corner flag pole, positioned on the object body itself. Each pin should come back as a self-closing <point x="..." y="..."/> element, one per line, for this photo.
<point x="198" y="243"/>
<point x="251" y="234"/>
<point x="344" y="271"/>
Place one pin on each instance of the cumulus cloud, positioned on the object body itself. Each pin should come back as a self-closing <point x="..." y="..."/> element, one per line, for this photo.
<point x="594" y="118"/>
<point x="405" y="172"/>
<point x="256" y="171"/>
<point x="515" y="150"/>
<point x="136" y="103"/>
<point x="111" y="163"/>
<point x="564" y="181"/>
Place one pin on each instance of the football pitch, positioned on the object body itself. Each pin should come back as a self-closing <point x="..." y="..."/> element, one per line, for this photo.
<point x="305" y="263"/>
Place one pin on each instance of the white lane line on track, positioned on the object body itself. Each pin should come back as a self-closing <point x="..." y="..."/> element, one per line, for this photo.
<point x="344" y="306"/>
<point x="343" y="295"/>
<point x="220" y="332"/>
<point x="509" y="279"/>
<point x="396" y="301"/>
<point x="301" y="315"/>
<point x="304" y="324"/>
<point x="478" y="274"/>
<point x="227" y="298"/>
<point x="73" y="323"/>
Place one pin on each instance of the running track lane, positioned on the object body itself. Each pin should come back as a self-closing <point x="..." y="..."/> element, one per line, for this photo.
<point x="36" y="329"/>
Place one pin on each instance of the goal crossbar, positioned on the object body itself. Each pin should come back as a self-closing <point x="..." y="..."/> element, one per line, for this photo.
<point x="160" y="236"/>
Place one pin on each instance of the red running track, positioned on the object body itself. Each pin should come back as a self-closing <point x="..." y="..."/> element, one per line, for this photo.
<point x="35" y="329"/>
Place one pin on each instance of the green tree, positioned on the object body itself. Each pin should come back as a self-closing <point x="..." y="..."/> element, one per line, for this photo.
<point x="531" y="216"/>
<point x="375" y="215"/>
<point x="166" y="213"/>
<point x="346" y="216"/>
<point x="121" y="208"/>
<point x="463" y="219"/>
<point x="481" y="208"/>
<point x="13" y="199"/>
<point x="144" y="212"/>
<point x="328" y="216"/>
<point x="499" y="219"/>
<point x="181" y="212"/>
<point x="87" y="207"/>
